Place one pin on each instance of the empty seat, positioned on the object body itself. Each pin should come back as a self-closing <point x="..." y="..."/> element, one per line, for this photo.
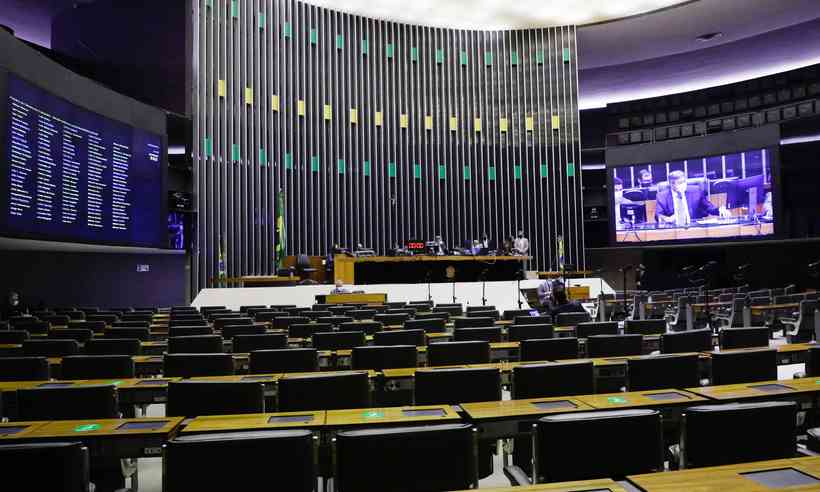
<point x="31" y="325"/>
<point x="433" y="315"/>
<point x="571" y="319"/>
<point x="130" y="324"/>
<point x="245" y="309"/>
<point x="113" y="346"/>
<point x="219" y="323"/>
<point x="335" y="320"/>
<point x="645" y="326"/>
<point x="142" y="334"/>
<point x="56" y="319"/>
<point x="473" y="322"/>
<point x="13" y="337"/>
<point x="747" y="366"/>
<point x="315" y="315"/>
<point x="189" y="331"/>
<point x="284" y="360"/>
<point x="483" y="314"/>
<point x="552" y="379"/>
<point x="269" y="316"/>
<point x="97" y="367"/>
<point x="487" y="334"/>
<point x="338" y="340"/>
<point x="108" y="319"/>
<point x="614" y="345"/>
<point x="68" y="465"/>
<point x="197" y="365"/>
<point x="283" y="322"/>
<point x="362" y="314"/>
<point x="453" y="353"/>
<point x="457" y="385"/>
<point x="81" y="335"/>
<point x="378" y="357"/>
<point x="444" y="457"/>
<point x="23" y="369"/>
<point x="533" y="320"/>
<point x="230" y="331"/>
<point x="451" y="309"/>
<point x="195" y="398"/>
<point x="400" y="337"/>
<point x="549" y="349"/>
<point x="51" y="347"/>
<point x="585" y="452"/>
<point x="585" y="330"/>
<point x="813" y="362"/>
<point x="193" y="321"/>
<point x="687" y="341"/>
<point x="714" y="435"/>
<point x="307" y="330"/>
<point x="512" y="314"/>
<point x="68" y="403"/>
<point x="196" y="344"/>
<point x="248" y="343"/>
<point x="430" y="325"/>
<point x="188" y="459"/>
<point x="324" y="391"/>
<point x="663" y="371"/>
<point x="368" y="327"/>
<point x="396" y="319"/>
<point x="733" y="338"/>
<point x="516" y="333"/>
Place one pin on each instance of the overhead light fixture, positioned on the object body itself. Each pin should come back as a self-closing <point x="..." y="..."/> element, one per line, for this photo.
<point x="705" y="38"/>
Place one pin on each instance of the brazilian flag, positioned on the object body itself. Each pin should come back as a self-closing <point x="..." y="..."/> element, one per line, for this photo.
<point x="279" y="250"/>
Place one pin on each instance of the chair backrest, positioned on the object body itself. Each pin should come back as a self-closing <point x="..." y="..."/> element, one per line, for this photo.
<point x="324" y="391"/>
<point x="269" y="316"/>
<point x="645" y="326"/>
<point x="68" y="464"/>
<point x="245" y="309"/>
<point x="441" y="457"/>
<point x="434" y="315"/>
<point x="378" y="357"/>
<point x="188" y="331"/>
<point x="113" y="346"/>
<point x="219" y="323"/>
<point x="453" y="353"/>
<point x="488" y="334"/>
<point x="409" y="311"/>
<point x="812" y="362"/>
<point x="142" y="334"/>
<point x="495" y="315"/>
<point x="512" y="314"/>
<point x="335" y="320"/>
<point x="284" y="322"/>
<point x="746" y="366"/>
<point x="553" y="379"/>
<point x="394" y="319"/>
<point x="663" y="371"/>
<point x="614" y="345"/>
<point x="584" y="453"/>
<point x="585" y="330"/>
<point x="13" y="337"/>
<point x="195" y="344"/>
<point x="533" y="320"/>
<point x="24" y="369"/>
<point x="97" y="367"/>
<point x="79" y="334"/>
<point x="516" y="333"/>
<point x="68" y="403"/>
<point x="108" y="319"/>
<point x="687" y="341"/>
<point x="56" y="319"/>
<point x="571" y="319"/>
<point x="457" y="385"/>
<point x="733" y="338"/>
<point x="248" y="343"/>
<point x="223" y="314"/>
<point x="197" y="365"/>
<point x="748" y="432"/>
<point x="451" y="309"/>
<point x="31" y="325"/>
<point x="471" y="309"/>
<point x="367" y="327"/>
<point x="195" y="398"/>
<point x="51" y="347"/>
<point x="129" y="324"/>
<point x="549" y="349"/>
<point x="338" y="340"/>
<point x="231" y="331"/>
<point x="429" y="325"/>
<point x="314" y="315"/>
<point x="400" y="337"/>
<point x="188" y="322"/>
<point x="307" y="330"/>
<point x="473" y="322"/>
<point x="284" y="360"/>
<point x="362" y="314"/>
<point x="246" y="455"/>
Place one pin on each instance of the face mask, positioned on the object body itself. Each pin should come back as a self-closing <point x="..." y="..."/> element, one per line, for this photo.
<point x="619" y="196"/>
<point x="681" y="187"/>
<point x="14" y="302"/>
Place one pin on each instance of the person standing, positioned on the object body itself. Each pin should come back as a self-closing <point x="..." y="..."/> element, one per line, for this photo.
<point x="340" y="288"/>
<point x="521" y="245"/>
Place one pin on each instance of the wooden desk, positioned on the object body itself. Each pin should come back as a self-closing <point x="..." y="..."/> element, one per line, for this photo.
<point x="782" y="389"/>
<point x="344" y="266"/>
<point x="267" y="281"/>
<point x="774" y="307"/>
<point x="11" y="431"/>
<point x="725" y="478"/>
<point x="374" y="298"/>
<point x="638" y="399"/>
<point x="255" y="421"/>
<point x="391" y="416"/>
<point x="582" y="486"/>
<point x="533" y="407"/>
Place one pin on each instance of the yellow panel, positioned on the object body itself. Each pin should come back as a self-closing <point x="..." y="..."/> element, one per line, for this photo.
<point x="354" y="116"/>
<point x="556" y="122"/>
<point x="453" y="123"/>
<point x="403" y="121"/>
<point x="477" y="124"/>
<point x="428" y="122"/>
<point x="328" y="112"/>
<point x="379" y="118"/>
<point x="529" y="123"/>
<point x="300" y="107"/>
<point x="220" y="88"/>
<point x="503" y="124"/>
<point x="274" y="102"/>
<point x="248" y="95"/>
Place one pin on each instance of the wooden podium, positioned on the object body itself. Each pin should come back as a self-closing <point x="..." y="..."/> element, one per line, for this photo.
<point x="360" y="298"/>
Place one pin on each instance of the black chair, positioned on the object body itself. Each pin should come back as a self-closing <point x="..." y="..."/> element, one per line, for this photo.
<point x="68" y="403"/>
<point x="223" y="314"/>
<point x="812" y="362"/>
<point x="56" y="319"/>
<point x="324" y="391"/>
<point x="68" y="465"/>
<point x="245" y="309"/>
<point x="130" y="324"/>
<point x="248" y="457"/>
<point x="585" y="454"/>
<point x="189" y="331"/>
<point x="586" y="330"/>
<point x="284" y="360"/>
<point x="663" y="371"/>
<point x="315" y="315"/>
<point x="367" y="327"/>
<point x="487" y="334"/>
<point x="571" y="319"/>
<point x="24" y="369"/>
<point x="188" y="322"/>
<point x="552" y="379"/>
<point x="13" y="337"/>
<point x="95" y="326"/>
<point x="645" y="327"/>
<point x="483" y="314"/>
<point x="457" y="385"/>
<point x="747" y="366"/>
<point x="478" y="322"/>
<point x="362" y="314"/>
<point x="51" y="347"/>
<point x="451" y="309"/>
<point x="734" y="338"/>
<point x="802" y="329"/>
<point x="195" y="398"/>
<point x="141" y="334"/>
<point x="714" y="435"/>
<point x="434" y="315"/>
<point x="513" y="314"/>
<point x="97" y="367"/>
<point x="197" y="365"/>
<point x="614" y="345"/>
<point x="444" y="458"/>
<point x="220" y="323"/>
<point x="338" y="340"/>
<point x="32" y="326"/>
<point x="430" y="325"/>
<point x="400" y="337"/>
<point x="248" y="343"/>
<point x="687" y="341"/>
<point x="284" y="322"/>
<point x="108" y="319"/>
<point x="549" y="349"/>
<point x="269" y="316"/>
<point x="516" y="333"/>
<point x="396" y="319"/>
<point x="231" y="331"/>
<point x="303" y="268"/>
<point x="80" y="335"/>
<point x="307" y="330"/>
<point x="454" y="353"/>
<point x="113" y="346"/>
<point x="195" y="344"/>
<point x="378" y="357"/>
<point x="335" y="320"/>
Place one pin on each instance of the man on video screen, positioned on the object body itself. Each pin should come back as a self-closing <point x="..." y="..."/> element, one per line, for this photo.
<point x="681" y="204"/>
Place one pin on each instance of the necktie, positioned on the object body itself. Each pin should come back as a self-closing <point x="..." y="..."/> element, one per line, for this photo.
<point x="680" y="209"/>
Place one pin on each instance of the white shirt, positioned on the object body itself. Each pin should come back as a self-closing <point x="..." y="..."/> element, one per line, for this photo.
<point x="682" y="217"/>
<point x="521" y="244"/>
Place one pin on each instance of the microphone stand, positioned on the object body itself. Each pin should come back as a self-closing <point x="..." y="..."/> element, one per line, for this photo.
<point x="484" y="287"/>
<point x="518" y="275"/>
<point x="429" y="290"/>
<point x="454" y="290"/>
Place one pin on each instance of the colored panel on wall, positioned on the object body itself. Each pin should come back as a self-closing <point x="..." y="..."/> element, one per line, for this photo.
<point x="365" y="47"/>
<point x="502" y="124"/>
<point x="340" y="166"/>
<point x="570" y="169"/>
<point x="300" y="107"/>
<point x="556" y="122"/>
<point x="391" y="170"/>
<point x="467" y="173"/>
<point x="442" y="172"/>
<point x="328" y="112"/>
<point x="491" y="173"/>
<point x="513" y="58"/>
<point x="517" y="171"/>
<point x="248" y="95"/>
<point x="235" y="153"/>
<point x="529" y="123"/>
<point x="488" y="58"/>
<point x="288" y="161"/>
<point x="566" y="55"/>
<point x="263" y="157"/>
<point x="221" y="89"/>
<point x="378" y="118"/>
<point x="366" y="168"/>
<point x="209" y="147"/>
<point x="462" y="58"/>
<point x="477" y="125"/>
<point x="354" y="116"/>
<point x="543" y="170"/>
<point x="539" y="57"/>
<point x="261" y="18"/>
<point x="388" y="49"/>
<point x="417" y="171"/>
<point x="404" y="121"/>
<point x="287" y="30"/>
<point x="313" y="36"/>
<point x="439" y="55"/>
<point x="314" y="163"/>
<point x="234" y="9"/>
<point x="414" y="54"/>
<point x="274" y="102"/>
<point x="340" y="41"/>
<point x="428" y="122"/>
<point x="453" y="123"/>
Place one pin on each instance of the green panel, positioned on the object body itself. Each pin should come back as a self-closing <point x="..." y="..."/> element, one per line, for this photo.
<point x="391" y="169"/>
<point x="442" y="171"/>
<point x="491" y="173"/>
<point x="439" y="55"/>
<point x="463" y="58"/>
<point x="566" y="55"/>
<point x="488" y="58"/>
<point x="234" y="9"/>
<point x="414" y="54"/>
<point x="570" y="169"/>
<point x="209" y="147"/>
<point x="287" y="30"/>
<point x="517" y="171"/>
<point x="513" y="58"/>
<point x="364" y="47"/>
<point x="263" y="157"/>
<point x="340" y="41"/>
<point x="417" y="171"/>
<point x="288" y="161"/>
<point x="389" y="50"/>
<point x="261" y="18"/>
<point x="543" y="170"/>
<point x="539" y="57"/>
<point x="235" y="152"/>
<point x="314" y="36"/>
<point x="209" y="3"/>
<point x="467" y="173"/>
<point x="314" y="163"/>
<point x="340" y="164"/>
<point x="366" y="168"/>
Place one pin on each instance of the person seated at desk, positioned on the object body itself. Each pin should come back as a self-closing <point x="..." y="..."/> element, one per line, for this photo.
<point x="618" y="187"/>
<point x="680" y="204"/>
<point x="340" y="288"/>
<point x="561" y="304"/>
<point x="13" y="307"/>
<point x="521" y="245"/>
<point x="545" y="293"/>
<point x="439" y="248"/>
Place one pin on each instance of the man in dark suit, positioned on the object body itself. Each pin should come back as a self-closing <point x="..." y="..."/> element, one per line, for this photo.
<point x="681" y="204"/>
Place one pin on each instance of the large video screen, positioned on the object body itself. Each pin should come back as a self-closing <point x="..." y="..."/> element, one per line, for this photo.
<point x="700" y="198"/>
<point x="74" y="175"/>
